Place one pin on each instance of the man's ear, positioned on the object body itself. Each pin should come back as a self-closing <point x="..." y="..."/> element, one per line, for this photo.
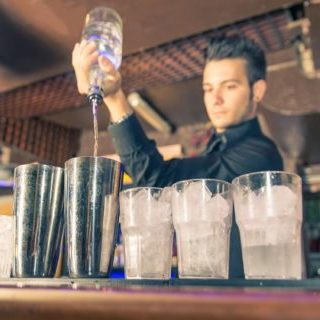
<point x="259" y="90"/>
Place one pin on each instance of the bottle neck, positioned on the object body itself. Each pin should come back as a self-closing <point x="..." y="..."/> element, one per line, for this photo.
<point x="95" y="95"/>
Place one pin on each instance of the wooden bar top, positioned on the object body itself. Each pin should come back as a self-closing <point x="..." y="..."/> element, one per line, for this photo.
<point x="158" y="302"/>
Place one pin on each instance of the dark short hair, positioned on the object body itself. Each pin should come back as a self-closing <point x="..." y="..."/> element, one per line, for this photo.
<point x="238" y="46"/>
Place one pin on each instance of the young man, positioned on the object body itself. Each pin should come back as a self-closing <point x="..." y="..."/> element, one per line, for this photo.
<point x="233" y="84"/>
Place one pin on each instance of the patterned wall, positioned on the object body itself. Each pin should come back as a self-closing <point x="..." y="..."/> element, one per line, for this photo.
<point x="51" y="143"/>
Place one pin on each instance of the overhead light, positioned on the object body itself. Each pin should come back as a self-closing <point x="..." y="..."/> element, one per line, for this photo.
<point x="301" y="28"/>
<point x="306" y="60"/>
<point x="144" y="109"/>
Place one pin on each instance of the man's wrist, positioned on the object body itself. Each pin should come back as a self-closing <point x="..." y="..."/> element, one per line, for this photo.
<point x="115" y="97"/>
<point x="122" y="119"/>
<point x="118" y="106"/>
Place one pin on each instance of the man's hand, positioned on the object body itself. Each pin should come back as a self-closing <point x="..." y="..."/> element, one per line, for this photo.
<point x="83" y="56"/>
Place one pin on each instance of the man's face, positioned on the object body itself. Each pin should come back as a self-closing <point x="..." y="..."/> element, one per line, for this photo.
<point x="227" y="93"/>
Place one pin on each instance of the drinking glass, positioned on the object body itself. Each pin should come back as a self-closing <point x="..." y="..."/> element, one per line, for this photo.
<point x="268" y="208"/>
<point x="202" y="216"/>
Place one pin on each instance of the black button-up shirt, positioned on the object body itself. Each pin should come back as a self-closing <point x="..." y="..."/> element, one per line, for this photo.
<point x="239" y="150"/>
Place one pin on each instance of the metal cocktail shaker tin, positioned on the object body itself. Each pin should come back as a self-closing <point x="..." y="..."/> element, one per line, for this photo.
<point x="38" y="217"/>
<point x="92" y="186"/>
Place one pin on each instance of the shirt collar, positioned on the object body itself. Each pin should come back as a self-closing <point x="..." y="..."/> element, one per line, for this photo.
<point x="233" y="134"/>
<point x="238" y="132"/>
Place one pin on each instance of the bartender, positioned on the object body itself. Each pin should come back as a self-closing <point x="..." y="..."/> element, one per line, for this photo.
<point x="234" y="82"/>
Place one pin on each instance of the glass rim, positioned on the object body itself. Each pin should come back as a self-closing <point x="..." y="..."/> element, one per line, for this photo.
<point x="196" y="180"/>
<point x="92" y="157"/>
<point x="35" y="164"/>
<point x="235" y="180"/>
<point x="140" y="188"/>
<point x="113" y="11"/>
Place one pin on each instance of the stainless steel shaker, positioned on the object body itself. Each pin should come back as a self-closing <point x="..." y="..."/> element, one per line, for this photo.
<point x="92" y="186"/>
<point x="38" y="217"/>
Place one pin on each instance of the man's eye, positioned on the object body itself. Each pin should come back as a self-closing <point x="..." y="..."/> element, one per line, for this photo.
<point x="207" y="89"/>
<point x="231" y="86"/>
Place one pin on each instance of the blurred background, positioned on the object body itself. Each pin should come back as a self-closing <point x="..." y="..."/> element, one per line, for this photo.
<point x="44" y="119"/>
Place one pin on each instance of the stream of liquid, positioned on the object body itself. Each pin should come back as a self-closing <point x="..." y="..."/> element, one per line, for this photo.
<point x="95" y="127"/>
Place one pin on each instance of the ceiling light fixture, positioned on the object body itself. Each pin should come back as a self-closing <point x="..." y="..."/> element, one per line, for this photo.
<point x="144" y="109"/>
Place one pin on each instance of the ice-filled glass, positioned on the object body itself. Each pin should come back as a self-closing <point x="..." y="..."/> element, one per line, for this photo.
<point x="146" y="226"/>
<point x="202" y="216"/>
<point x="6" y="245"/>
<point x="268" y="208"/>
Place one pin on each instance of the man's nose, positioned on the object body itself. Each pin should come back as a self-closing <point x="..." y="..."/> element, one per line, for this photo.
<point x="217" y="97"/>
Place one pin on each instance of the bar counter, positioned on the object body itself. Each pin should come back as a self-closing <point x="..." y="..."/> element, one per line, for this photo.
<point x="152" y="299"/>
